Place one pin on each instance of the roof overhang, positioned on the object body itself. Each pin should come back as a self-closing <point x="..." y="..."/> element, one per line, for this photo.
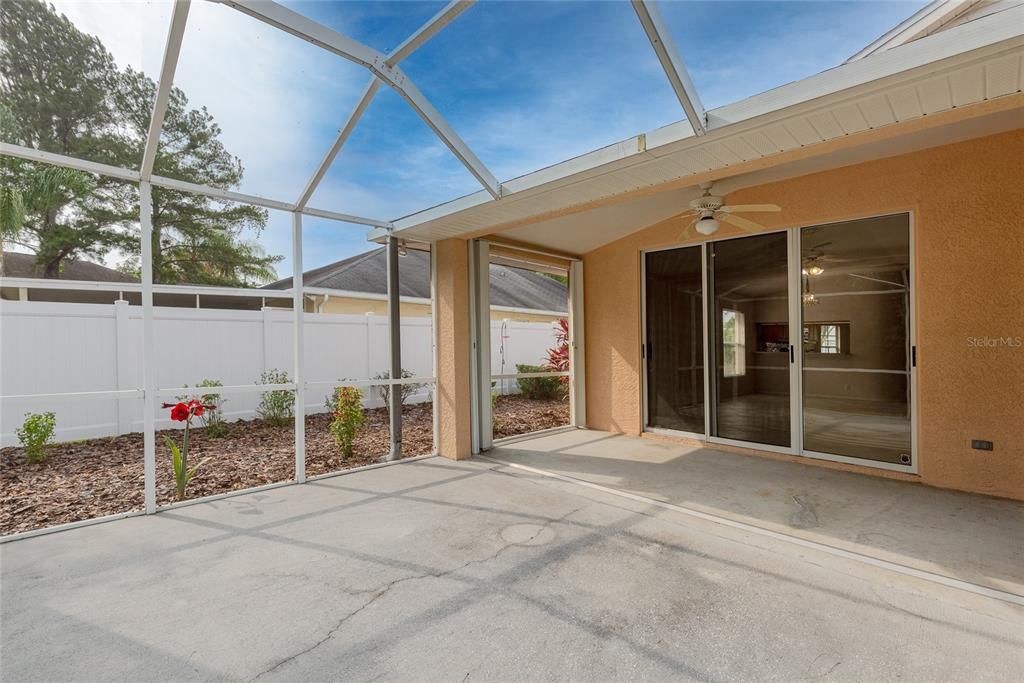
<point x="930" y="18"/>
<point x="882" y="95"/>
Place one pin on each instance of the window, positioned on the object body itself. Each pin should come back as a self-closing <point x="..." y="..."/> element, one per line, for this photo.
<point x="831" y="338"/>
<point x="828" y="339"/>
<point x="734" y="346"/>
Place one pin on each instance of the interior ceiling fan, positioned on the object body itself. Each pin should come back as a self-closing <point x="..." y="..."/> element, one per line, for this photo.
<point x="816" y="258"/>
<point x="710" y="209"/>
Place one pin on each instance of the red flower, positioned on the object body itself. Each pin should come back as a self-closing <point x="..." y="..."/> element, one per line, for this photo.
<point x="179" y="413"/>
<point x="196" y="407"/>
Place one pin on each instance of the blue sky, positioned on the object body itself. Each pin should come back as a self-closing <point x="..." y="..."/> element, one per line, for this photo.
<point x="526" y="84"/>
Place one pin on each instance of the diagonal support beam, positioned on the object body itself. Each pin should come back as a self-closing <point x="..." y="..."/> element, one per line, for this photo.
<point x="661" y="40"/>
<point x="163" y="88"/>
<point x="430" y="29"/>
<point x="131" y="175"/>
<point x="291" y="22"/>
<point x="417" y="39"/>
<point x="346" y="129"/>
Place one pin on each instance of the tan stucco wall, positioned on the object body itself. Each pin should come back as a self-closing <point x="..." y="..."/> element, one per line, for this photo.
<point x="352" y="306"/>
<point x="453" y="381"/>
<point x="968" y="214"/>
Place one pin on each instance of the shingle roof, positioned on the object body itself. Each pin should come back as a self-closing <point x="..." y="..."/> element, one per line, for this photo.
<point x="367" y="272"/>
<point x="17" y="264"/>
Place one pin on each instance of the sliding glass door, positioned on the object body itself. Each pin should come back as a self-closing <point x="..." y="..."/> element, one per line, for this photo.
<point x="806" y="335"/>
<point x="675" y="339"/>
<point x="748" y="339"/>
<point x="857" y="354"/>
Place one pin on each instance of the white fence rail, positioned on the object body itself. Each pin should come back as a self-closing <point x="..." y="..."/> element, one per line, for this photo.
<point x="48" y="348"/>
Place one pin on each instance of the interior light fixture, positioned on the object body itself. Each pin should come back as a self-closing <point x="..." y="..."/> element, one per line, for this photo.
<point x="814" y="269"/>
<point x="808" y="298"/>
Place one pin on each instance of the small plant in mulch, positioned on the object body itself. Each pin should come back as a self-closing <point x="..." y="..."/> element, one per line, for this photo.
<point x="35" y="434"/>
<point x="212" y="420"/>
<point x="214" y="425"/>
<point x="405" y="391"/>
<point x="494" y="401"/>
<point x="346" y="406"/>
<point x="184" y="412"/>
<point x="277" y="407"/>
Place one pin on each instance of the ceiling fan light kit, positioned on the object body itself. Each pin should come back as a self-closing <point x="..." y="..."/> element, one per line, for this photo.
<point x="709" y="208"/>
<point x="707" y="225"/>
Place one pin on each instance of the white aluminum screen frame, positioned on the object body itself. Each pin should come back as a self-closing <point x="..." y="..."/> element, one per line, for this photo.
<point x="149" y="392"/>
<point x="481" y="377"/>
<point x="384" y="69"/>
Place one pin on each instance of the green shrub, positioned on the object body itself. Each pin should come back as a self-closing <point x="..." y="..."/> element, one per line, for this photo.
<point x="213" y="420"/>
<point x="539" y="388"/>
<point x="277" y="407"/>
<point x="494" y="403"/>
<point x="36" y="433"/>
<point x="405" y="390"/>
<point x="346" y="405"/>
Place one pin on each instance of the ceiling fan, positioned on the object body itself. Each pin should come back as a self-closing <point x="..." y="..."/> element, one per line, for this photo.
<point x="815" y="259"/>
<point x="710" y="209"/>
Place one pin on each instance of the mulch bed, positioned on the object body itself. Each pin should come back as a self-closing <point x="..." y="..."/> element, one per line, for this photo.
<point x="97" y="477"/>
<point x="515" y="415"/>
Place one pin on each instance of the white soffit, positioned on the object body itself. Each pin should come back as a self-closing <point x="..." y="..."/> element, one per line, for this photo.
<point x="977" y="61"/>
<point x="584" y="231"/>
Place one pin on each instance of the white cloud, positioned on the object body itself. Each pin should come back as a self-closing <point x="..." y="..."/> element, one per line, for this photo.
<point x="277" y="99"/>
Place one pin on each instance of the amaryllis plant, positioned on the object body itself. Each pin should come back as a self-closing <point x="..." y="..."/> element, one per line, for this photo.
<point x="184" y="411"/>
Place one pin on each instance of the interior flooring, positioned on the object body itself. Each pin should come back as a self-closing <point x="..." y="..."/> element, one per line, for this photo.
<point x="864" y="429"/>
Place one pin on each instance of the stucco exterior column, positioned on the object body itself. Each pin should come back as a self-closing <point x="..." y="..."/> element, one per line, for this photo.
<point x="453" y="349"/>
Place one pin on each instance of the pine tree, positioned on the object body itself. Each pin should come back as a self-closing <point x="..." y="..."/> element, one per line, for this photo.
<point x="65" y="94"/>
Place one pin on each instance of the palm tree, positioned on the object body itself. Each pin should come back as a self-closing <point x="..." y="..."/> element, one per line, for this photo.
<point x="12" y="217"/>
<point x="42" y="190"/>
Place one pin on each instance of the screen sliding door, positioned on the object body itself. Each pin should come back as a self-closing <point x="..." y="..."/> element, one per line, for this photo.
<point x="749" y="338"/>
<point x="857" y="354"/>
<point x="675" y="339"/>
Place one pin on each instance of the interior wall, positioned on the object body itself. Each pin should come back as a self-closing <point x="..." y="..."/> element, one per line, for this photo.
<point x="968" y="219"/>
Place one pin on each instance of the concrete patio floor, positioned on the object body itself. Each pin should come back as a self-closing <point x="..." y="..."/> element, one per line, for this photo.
<point x="437" y="570"/>
<point x="969" y="537"/>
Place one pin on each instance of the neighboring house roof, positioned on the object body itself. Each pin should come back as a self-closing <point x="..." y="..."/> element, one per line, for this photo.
<point x="24" y="265"/>
<point x="367" y="272"/>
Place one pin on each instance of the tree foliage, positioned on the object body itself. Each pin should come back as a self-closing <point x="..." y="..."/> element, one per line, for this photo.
<point x="63" y="93"/>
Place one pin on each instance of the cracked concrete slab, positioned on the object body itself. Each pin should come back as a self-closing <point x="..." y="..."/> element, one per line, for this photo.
<point x="444" y="571"/>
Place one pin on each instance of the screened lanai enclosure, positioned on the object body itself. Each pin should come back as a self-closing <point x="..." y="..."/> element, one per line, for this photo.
<point x="248" y="243"/>
<point x="204" y="299"/>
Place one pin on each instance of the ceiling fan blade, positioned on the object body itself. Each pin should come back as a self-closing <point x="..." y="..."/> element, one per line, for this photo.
<point x="742" y="223"/>
<point x="838" y="259"/>
<point x="751" y="208"/>
<point x="687" y="230"/>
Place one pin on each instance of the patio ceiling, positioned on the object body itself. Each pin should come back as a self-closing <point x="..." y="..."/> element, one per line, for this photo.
<point x="579" y="229"/>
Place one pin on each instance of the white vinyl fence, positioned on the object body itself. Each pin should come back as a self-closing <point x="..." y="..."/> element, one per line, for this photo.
<point x="59" y="347"/>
